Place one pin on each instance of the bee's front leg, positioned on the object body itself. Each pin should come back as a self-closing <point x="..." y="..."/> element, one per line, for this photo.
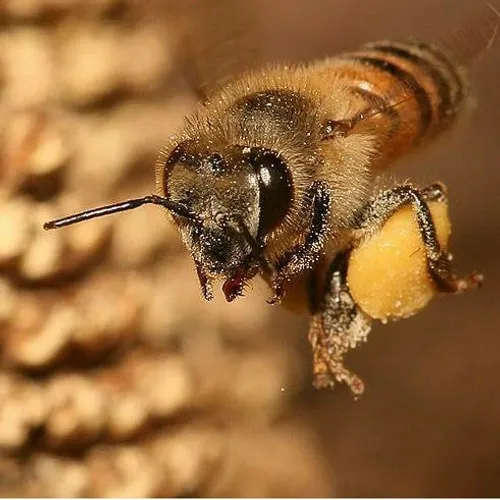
<point x="337" y="327"/>
<point x="438" y="261"/>
<point x="305" y="255"/>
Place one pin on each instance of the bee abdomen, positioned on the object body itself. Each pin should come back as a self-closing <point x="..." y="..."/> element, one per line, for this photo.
<point x="421" y="89"/>
<point x="424" y="61"/>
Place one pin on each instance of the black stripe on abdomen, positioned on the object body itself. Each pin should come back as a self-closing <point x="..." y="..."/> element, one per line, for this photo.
<point x="408" y="81"/>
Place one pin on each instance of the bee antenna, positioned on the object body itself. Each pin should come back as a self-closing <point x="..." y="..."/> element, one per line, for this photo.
<point x="172" y="206"/>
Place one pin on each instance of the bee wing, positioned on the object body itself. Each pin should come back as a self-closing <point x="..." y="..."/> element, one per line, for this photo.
<point x="215" y="40"/>
<point x="470" y="41"/>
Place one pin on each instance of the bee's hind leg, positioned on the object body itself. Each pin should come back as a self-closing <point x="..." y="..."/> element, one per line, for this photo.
<point x="439" y="266"/>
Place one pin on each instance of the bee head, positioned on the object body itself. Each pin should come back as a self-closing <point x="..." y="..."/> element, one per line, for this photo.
<point x="225" y="204"/>
<point x="239" y="195"/>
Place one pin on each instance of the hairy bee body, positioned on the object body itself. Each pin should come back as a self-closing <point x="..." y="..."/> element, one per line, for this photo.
<point x="273" y="175"/>
<point x="417" y="87"/>
<point x="386" y="99"/>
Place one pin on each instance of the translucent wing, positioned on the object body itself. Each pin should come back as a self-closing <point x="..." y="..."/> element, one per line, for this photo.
<point x="215" y="40"/>
<point x="476" y="35"/>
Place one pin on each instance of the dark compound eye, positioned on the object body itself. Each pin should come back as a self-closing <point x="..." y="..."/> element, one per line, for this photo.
<point x="275" y="188"/>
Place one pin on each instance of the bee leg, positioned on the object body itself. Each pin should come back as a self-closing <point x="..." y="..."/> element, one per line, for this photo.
<point x="338" y="326"/>
<point x="438" y="261"/>
<point x="304" y="256"/>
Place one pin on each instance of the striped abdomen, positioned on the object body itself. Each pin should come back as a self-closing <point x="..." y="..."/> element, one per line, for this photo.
<point x="417" y="88"/>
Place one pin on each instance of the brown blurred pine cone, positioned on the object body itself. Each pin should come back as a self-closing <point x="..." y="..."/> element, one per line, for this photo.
<point x="117" y="379"/>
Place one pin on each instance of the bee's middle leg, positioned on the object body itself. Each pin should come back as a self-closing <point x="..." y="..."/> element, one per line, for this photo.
<point x="337" y="326"/>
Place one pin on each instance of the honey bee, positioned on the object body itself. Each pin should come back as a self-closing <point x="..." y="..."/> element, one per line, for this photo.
<point x="274" y="175"/>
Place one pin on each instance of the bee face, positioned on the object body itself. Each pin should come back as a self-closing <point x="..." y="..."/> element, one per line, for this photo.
<point x="238" y="193"/>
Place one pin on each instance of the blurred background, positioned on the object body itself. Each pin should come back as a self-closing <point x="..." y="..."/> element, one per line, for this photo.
<point x="117" y="379"/>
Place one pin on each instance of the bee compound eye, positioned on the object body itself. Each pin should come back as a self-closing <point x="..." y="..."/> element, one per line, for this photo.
<point x="275" y="186"/>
